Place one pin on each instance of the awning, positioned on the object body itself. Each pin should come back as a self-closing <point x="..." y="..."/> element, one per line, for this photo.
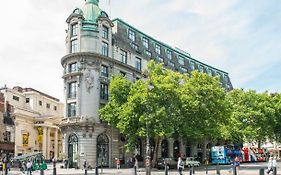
<point x="27" y="156"/>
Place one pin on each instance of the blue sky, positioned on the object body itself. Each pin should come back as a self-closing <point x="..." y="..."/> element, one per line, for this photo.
<point x="240" y="37"/>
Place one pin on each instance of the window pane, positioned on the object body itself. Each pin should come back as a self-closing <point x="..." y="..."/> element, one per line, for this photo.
<point x="72" y="90"/>
<point x="158" y="49"/>
<point x="123" y="56"/>
<point x="104" y="71"/>
<point x="71" y="108"/>
<point x="104" y="91"/>
<point x="72" y="67"/>
<point x="105" y="32"/>
<point x="132" y="35"/>
<point x="74" y="46"/>
<point x="138" y="63"/>
<point x="104" y="50"/>
<point x="169" y="54"/>
<point x="74" y="29"/>
<point x="181" y="60"/>
<point x="145" y="42"/>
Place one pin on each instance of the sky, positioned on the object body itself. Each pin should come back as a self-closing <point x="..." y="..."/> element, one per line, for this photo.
<point x="240" y="37"/>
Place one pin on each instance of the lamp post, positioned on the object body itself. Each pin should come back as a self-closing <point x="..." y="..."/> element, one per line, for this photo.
<point x="147" y="153"/>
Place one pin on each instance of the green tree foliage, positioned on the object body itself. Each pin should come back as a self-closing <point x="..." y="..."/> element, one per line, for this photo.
<point x="252" y="116"/>
<point x="204" y="110"/>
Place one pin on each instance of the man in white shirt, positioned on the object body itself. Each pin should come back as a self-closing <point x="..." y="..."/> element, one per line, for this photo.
<point x="180" y="165"/>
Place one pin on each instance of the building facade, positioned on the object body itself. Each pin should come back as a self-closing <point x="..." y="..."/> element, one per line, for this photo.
<point x="96" y="49"/>
<point x="36" y="117"/>
<point x="7" y="142"/>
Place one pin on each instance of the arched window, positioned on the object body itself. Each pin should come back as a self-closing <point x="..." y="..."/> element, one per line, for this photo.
<point x="103" y="150"/>
<point x="165" y="148"/>
<point x="72" y="150"/>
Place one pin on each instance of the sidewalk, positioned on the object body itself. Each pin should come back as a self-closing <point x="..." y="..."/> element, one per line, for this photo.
<point x="131" y="172"/>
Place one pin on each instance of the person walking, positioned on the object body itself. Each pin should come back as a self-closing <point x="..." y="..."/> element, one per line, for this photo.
<point x="29" y="167"/>
<point x="269" y="165"/>
<point x="180" y="165"/>
<point x="117" y="161"/>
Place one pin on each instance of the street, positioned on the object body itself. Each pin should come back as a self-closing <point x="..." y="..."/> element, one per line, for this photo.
<point x="245" y="169"/>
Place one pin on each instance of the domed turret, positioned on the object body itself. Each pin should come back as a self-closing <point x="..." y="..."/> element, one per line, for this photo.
<point x="91" y="10"/>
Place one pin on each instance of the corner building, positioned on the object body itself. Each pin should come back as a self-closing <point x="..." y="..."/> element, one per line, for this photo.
<point x="96" y="49"/>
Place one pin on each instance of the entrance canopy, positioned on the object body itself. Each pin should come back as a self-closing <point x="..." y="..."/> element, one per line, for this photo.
<point x="28" y="156"/>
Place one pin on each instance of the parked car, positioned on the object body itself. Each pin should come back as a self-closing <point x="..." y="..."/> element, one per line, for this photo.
<point x="171" y="163"/>
<point x="190" y="161"/>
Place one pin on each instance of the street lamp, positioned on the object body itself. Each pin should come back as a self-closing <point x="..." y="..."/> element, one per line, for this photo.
<point x="147" y="160"/>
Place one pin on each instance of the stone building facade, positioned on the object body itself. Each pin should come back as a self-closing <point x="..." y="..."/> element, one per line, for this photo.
<point x="36" y="117"/>
<point x="98" y="48"/>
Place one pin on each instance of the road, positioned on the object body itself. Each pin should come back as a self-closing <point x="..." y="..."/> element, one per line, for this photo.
<point x="245" y="169"/>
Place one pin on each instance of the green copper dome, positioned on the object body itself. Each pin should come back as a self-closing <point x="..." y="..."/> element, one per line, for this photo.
<point x="91" y="10"/>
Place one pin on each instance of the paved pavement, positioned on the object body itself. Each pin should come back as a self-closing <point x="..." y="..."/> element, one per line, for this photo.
<point x="245" y="169"/>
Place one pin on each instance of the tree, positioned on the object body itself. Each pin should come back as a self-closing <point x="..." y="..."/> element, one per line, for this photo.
<point x="252" y="116"/>
<point x="204" y="110"/>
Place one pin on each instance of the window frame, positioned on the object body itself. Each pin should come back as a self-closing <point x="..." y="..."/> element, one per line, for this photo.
<point x="104" y="91"/>
<point x="145" y="42"/>
<point x="74" y="46"/>
<point x="138" y="63"/>
<point x="124" y="56"/>
<point x="158" y="49"/>
<point x="104" y="73"/>
<point x="105" y="32"/>
<point x="74" y="31"/>
<point x="104" y="49"/>
<point x="132" y="35"/>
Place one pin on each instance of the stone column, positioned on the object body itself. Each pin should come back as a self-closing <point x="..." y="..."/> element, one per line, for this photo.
<point x="48" y="143"/>
<point x="44" y="145"/>
<point x="56" y="144"/>
<point x="171" y="147"/>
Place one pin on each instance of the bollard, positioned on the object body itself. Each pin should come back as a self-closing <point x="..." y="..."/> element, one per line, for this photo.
<point x="218" y="170"/>
<point x="274" y="170"/>
<point x="166" y="169"/>
<point x="97" y="170"/>
<point x="135" y="170"/>
<point x="190" y="172"/>
<point x="54" y="167"/>
<point x="41" y="172"/>
<point x="193" y="170"/>
<point x="206" y="169"/>
<point x="261" y="171"/>
<point x="86" y="172"/>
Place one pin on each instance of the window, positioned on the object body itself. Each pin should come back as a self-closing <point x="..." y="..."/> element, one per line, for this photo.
<point x="169" y="54"/>
<point x="209" y="71"/>
<point x="172" y="64"/>
<point x="225" y="77"/>
<point x="40" y="103"/>
<point x="181" y="60"/>
<point x="158" y="49"/>
<point x="74" y="30"/>
<point x="148" y="53"/>
<point x="104" y="32"/>
<point x="145" y="42"/>
<point x="48" y="105"/>
<point x="123" y="74"/>
<point x="134" y="46"/>
<point x="123" y="56"/>
<point x="27" y="100"/>
<point x="72" y="90"/>
<point x="104" y="91"/>
<point x="132" y="35"/>
<point x="183" y="70"/>
<point x="201" y="68"/>
<point x="74" y="46"/>
<point x="104" y="49"/>
<point x="72" y="67"/>
<point x="192" y="65"/>
<point x="7" y="136"/>
<point x="160" y="59"/>
<point x="16" y="98"/>
<point x="71" y="109"/>
<point x="104" y="71"/>
<point x="55" y="108"/>
<point x="138" y="63"/>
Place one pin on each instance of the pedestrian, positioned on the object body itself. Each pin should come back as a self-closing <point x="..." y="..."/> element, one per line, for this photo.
<point x="136" y="164"/>
<point x="180" y="165"/>
<point x="117" y="161"/>
<point x="85" y="164"/>
<point x="1" y="166"/>
<point x="269" y="165"/>
<point x="29" y="167"/>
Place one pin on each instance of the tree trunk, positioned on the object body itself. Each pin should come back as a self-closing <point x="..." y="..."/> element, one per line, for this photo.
<point x="154" y="163"/>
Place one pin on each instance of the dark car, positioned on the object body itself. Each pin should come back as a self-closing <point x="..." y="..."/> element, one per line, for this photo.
<point x="171" y="163"/>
